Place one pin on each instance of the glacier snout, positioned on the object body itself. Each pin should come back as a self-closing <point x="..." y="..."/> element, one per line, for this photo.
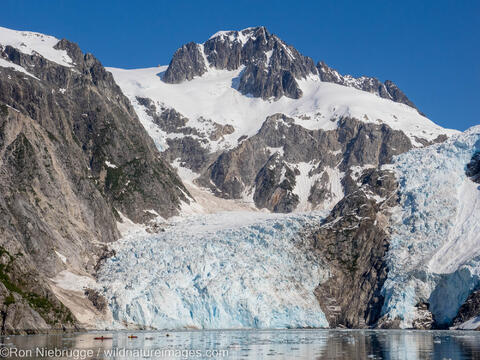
<point x="230" y="270"/>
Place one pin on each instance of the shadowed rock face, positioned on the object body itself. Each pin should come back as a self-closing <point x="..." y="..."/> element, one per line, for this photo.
<point x="387" y="90"/>
<point x="469" y="309"/>
<point x="271" y="66"/>
<point x="473" y="168"/>
<point x="73" y="154"/>
<point x="353" y="241"/>
<point x="187" y="62"/>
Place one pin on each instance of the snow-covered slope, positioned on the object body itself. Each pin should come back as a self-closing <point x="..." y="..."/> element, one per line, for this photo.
<point x="31" y="43"/>
<point x="434" y="254"/>
<point x="214" y="96"/>
<point x="227" y="270"/>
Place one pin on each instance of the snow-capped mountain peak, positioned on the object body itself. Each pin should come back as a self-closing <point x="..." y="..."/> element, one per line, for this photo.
<point x="269" y="67"/>
<point x="241" y="36"/>
<point x="219" y="106"/>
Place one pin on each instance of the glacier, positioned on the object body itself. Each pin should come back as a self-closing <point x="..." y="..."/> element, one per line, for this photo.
<point x="434" y="255"/>
<point x="224" y="270"/>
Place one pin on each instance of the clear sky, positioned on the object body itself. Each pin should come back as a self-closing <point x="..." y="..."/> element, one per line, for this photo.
<point x="431" y="49"/>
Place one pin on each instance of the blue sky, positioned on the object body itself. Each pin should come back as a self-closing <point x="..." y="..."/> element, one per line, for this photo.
<point x="429" y="48"/>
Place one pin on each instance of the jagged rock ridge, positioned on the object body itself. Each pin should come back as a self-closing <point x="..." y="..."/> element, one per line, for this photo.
<point x="470" y="309"/>
<point x="387" y="90"/>
<point x="285" y="165"/>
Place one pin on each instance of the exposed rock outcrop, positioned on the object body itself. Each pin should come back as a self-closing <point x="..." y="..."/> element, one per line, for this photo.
<point x="473" y="168"/>
<point x="469" y="310"/>
<point x="271" y="163"/>
<point x="353" y="241"/>
<point x="187" y="62"/>
<point x="424" y="319"/>
<point x="27" y="305"/>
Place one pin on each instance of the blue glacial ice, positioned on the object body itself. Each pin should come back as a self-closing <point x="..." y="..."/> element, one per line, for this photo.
<point x="226" y="270"/>
<point x="434" y="254"/>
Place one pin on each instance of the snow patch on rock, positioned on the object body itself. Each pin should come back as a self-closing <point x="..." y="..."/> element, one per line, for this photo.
<point x="7" y="64"/>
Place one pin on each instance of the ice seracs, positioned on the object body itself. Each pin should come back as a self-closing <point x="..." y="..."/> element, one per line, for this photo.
<point x="433" y="255"/>
<point x="226" y="270"/>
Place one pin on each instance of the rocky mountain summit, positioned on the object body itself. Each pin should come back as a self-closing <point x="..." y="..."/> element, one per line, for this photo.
<point x="270" y="67"/>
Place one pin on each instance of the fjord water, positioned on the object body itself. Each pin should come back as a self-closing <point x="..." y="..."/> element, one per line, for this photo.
<point x="254" y="344"/>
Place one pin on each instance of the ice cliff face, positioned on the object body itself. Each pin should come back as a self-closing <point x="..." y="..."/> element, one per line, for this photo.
<point x="434" y="254"/>
<point x="227" y="270"/>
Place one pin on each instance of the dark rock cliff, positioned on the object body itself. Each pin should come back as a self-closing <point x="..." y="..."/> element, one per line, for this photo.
<point x="470" y="309"/>
<point x="73" y="155"/>
<point x="353" y="241"/>
<point x="187" y="62"/>
<point x="473" y="168"/>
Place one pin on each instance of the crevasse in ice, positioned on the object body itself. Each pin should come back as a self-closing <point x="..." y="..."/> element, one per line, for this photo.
<point x="434" y="254"/>
<point x="227" y="270"/>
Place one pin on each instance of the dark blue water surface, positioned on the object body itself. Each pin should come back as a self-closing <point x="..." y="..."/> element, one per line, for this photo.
<point x="247" y="344"/>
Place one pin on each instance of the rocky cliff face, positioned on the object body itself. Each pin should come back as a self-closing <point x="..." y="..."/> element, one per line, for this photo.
<point x="473" y="168"/>
<point x="353" y="240"/>
<point x="285" y="165"/>
<point x="187" y="62"/>
<point x="73" y="157"/>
